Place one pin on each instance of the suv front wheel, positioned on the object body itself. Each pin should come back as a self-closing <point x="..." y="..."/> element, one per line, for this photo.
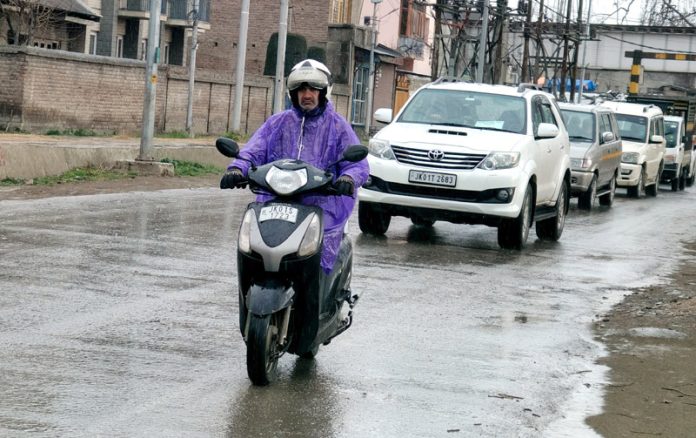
<point x="371" y="218"/>
<point x="513" y="233"/>
<point x="552" y="228"/>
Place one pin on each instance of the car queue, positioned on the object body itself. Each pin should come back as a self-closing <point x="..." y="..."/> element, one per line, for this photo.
<point x="508" y="157"/>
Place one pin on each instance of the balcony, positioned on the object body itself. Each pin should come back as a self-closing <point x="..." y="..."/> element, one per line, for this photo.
<point x="138" y="8"/>
<point x="179" y="12"/>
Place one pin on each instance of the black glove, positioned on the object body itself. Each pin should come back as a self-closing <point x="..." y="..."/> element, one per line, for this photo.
<point x="233" y="178"/>
<point x="344" y="186"/>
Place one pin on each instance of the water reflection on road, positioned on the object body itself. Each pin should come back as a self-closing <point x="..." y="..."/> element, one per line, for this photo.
<point x="119" y="317"/>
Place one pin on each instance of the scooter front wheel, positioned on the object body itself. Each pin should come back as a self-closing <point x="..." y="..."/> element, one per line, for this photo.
<point x="262" y="349"/>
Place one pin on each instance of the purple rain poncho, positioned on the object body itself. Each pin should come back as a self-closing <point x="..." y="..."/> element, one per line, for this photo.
<point x="318" y="137"/>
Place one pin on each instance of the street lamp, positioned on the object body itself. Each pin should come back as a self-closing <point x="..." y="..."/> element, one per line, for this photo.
<point x="371" y="75"/>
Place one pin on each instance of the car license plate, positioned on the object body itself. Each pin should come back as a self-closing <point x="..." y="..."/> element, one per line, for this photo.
<point x="433" y="178"/>
<point x="278" y="212"/>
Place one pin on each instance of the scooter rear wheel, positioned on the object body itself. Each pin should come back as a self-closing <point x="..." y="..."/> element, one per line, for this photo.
<point x="262" y="349"/>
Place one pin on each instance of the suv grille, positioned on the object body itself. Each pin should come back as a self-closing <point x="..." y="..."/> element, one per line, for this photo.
<point x="443" y="160"/>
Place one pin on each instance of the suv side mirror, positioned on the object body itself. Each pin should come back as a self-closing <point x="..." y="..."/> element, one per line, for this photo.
<point x="656" y="139"/>
<point x="547" y="130"/>
<point x="607" y="137"/>
<point x="383" y="115"/>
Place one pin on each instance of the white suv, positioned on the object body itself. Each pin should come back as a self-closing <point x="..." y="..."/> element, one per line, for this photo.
<point x="471" y="153"/>
<point x="642" y="132"/>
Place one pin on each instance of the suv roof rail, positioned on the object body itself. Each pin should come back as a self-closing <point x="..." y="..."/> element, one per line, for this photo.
<point x="442" y="79"/>
<point x="528" y="86"/>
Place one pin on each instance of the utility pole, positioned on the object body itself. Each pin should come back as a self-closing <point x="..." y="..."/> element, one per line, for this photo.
<point x="483" y="38"/>
<point x="539" y="42"/>
<point x="584" y="49"/>
<point x="241" y="60"/>
<point x="192" y="68"/>
<point x="574" y="74"/>
<point x="527" y="34"/>
<point x="564" y="65"/>
<point x="150" y="82"/>
<point x="371" y="74"/>
<point x="501" y="26"/>
<point x="280" y="58"/>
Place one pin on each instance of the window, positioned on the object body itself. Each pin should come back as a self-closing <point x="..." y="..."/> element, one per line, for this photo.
<point x="92" y="43"/>
<point x="632" y="127"/>
<point x="119" y="47"/>
<point x="360" y="94"/>
<point x="165" y="58"/>
<point x="413" y="21"/>
<point x="143" y="50"/>
<point x="337" y="12"/>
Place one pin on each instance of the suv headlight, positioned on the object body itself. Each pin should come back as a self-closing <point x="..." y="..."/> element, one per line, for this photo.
<point x="630" y="157"/>
<point x="500" y="160"/>
<point x="381" y="149"/>
<point x="580" y="163"/>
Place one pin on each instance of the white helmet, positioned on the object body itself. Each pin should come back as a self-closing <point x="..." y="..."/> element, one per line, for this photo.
<point x="310" y="72"/>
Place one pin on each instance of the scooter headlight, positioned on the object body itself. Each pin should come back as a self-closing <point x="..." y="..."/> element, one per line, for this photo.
<point x="285" y="182"/>
<point x="244" y="238"/>
<point x="311" y="242"/>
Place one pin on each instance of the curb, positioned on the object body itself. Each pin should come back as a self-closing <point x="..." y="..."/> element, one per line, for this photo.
<point x="30" y="156"/>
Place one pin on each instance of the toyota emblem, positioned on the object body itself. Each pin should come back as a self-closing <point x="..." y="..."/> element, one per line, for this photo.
<point x="436" y="155"/>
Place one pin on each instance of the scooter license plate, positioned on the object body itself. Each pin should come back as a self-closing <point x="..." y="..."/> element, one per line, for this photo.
<point x="278" y="212"/>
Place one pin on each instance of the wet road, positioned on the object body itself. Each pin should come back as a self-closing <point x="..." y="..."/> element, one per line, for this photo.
<point x="119" y="318"/>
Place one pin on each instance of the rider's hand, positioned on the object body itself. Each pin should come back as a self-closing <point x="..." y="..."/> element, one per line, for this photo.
<point x="344" y="185"/>
<point x="232" y="179"/>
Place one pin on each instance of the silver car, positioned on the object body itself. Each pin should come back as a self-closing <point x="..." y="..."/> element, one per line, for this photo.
<point x="595" y="153"/>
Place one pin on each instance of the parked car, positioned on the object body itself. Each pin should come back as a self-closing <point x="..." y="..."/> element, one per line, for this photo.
<point x="471" y="153"/>
<point x="679" y="165"/>
<point x="642" y="132"/>
<point x="595" y="153"/>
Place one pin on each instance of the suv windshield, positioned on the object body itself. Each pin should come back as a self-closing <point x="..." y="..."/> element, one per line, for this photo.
<point x="671" y="133"/>
<point x="632" y="127"/>
<point x="581" y="125"/>
<point x="467" y="109"/>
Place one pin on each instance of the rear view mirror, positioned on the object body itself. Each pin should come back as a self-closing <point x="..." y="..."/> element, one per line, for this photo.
<point x="227" y="147"/>
<point x="355" y="153"/>
<point x="607" y="137"/>
<point x="547" y="130"/>
<point x="656" y="139"/>
<point x="383" y="115"/>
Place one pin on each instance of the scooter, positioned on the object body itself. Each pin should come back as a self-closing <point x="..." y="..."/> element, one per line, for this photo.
<point x="287" y="304"/>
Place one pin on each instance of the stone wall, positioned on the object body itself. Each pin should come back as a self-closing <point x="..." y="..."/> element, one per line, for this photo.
<point x="48" y="89"/>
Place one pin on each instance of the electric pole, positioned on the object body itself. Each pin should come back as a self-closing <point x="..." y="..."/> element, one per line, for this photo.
<point x="584" y="49"/>
<point x="280" y="58"/>
<point x="241" y="60"/>
<point x="527" y="34"/>
<point x="371" y="74"/>
<point x="574" y="74"/>
<point x="483" y="39"/>
<point x="192" y="68"/>
<point x="564" y="65"/>
<point x="148" y="128"/>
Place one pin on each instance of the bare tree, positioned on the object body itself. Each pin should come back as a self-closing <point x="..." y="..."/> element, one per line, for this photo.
<point x="26" y="19"/>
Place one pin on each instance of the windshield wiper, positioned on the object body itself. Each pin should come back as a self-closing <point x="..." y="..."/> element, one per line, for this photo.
<point x="458" y="125"/>
<point x="580" y="137"/>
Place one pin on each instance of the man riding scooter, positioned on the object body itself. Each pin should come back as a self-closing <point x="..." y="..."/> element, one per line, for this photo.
<point x="311" y="131"/>
<point x="293" y="299"/>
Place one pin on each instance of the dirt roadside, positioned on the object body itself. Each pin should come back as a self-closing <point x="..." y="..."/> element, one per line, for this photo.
<point x="651" y="335"/>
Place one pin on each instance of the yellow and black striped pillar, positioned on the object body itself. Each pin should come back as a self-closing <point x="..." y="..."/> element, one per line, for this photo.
<point x="639" y="55"/>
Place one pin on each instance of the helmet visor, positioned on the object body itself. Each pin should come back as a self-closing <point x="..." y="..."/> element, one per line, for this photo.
<point x="312" y="77"/>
